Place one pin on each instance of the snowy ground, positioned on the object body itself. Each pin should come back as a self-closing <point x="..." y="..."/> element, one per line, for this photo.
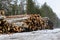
<point x="35" y="35"/>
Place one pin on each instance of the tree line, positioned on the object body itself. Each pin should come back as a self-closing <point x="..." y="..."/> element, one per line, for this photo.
<point x="11" y="7"/>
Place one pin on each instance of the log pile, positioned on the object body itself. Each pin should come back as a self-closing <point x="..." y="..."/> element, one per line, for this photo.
<point x="33" y="23"/>
<point x="6" y="27"/>
<point x="36" y="22"/>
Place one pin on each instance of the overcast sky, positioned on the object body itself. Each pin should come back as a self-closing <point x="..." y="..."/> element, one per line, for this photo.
<point x="54" y="4"/>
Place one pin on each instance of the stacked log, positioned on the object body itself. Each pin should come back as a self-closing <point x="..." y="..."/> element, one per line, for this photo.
<point x="36" y="22"/>
<point x="33" y="23"/>
<point x="6" y="27"/>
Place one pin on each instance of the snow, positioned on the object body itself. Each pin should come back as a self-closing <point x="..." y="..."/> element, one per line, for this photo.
<point x="34" y="35"/>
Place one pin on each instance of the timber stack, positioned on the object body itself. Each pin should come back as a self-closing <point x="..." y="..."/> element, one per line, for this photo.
<point x="36" y="22"/>
<point x="6" y="27"/>
<point x="33" y="23"/>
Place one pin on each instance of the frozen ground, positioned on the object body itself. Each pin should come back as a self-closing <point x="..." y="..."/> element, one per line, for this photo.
<point x="35" y="35"/>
